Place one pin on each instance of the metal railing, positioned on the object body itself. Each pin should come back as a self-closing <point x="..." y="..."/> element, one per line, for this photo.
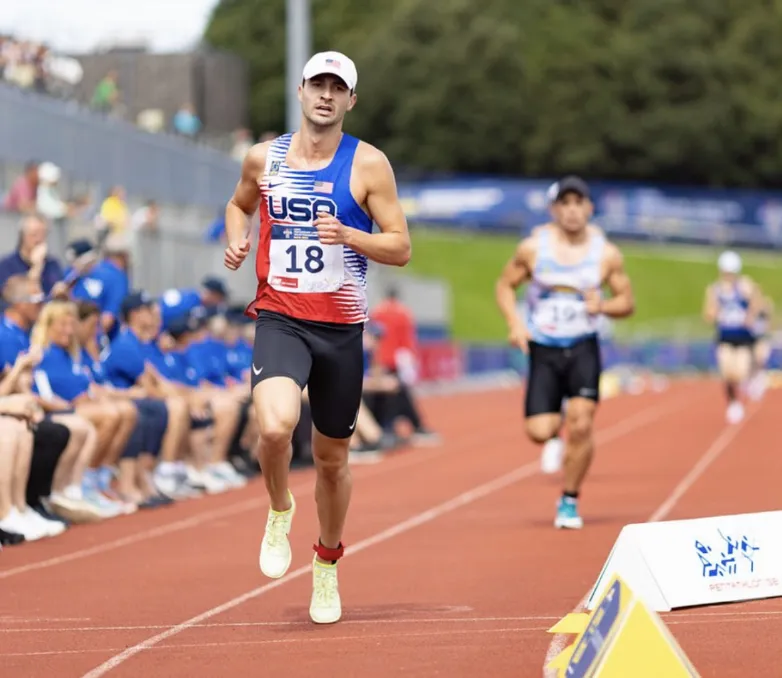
<point x="98" y="149"/>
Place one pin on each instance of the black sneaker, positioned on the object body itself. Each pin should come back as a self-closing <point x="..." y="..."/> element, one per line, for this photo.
<point x="10" y="538"/>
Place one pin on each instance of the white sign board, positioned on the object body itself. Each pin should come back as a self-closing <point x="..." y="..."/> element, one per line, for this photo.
<point x="684" y="563"/>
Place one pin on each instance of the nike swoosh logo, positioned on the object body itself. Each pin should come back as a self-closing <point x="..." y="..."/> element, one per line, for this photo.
<point x="257" y="371"/>
<point x="273" y="186"/>
<point x="353" y="425"/>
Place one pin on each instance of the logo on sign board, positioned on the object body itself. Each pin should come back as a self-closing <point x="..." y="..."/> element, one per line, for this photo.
<point x="726" y="556"/>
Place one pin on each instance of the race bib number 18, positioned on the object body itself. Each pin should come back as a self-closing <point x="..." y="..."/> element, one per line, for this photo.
<point x="299" y="263"/>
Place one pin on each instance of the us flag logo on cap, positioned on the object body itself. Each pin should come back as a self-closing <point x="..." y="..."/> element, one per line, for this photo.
<point x="334" y="62"/>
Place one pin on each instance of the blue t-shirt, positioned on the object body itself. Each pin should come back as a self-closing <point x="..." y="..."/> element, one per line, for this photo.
<point x="209" y="358"/>
<point x="164" y="363"/>
<point x="94" y="366"/>
<point x="106" y="285"/>
<point x="238" y="358"/>
<point x="183" y="371"/>
<point x="13" y="265"/>
<point x="68" y="378"/>
<point x="123" y="363"/>
<point x="13" y="341"/>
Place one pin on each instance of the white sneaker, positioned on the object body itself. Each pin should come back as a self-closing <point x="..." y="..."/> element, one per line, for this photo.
<point x="551" y="457"/>
<point x="228" y="474"/>
<point x="735" y="412"/>
<point x="203" y="478"/>
<point x="51" y="528"/>
<point x="276" y="556"/>
<point x="18" y="523"/>
<point x="325" y="605"/>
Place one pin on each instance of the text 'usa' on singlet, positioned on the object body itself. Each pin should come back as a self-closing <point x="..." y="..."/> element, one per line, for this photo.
<point x="555" y="304"/>
<point x="732" y="309"/>
<point x="297" y="275"/>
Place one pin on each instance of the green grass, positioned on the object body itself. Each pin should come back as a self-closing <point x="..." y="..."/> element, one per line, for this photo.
<point x="668" y="280"/>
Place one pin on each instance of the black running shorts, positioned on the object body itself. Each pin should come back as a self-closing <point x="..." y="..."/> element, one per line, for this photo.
<point x="559" y="373"/>
<point x="328" y="358"/>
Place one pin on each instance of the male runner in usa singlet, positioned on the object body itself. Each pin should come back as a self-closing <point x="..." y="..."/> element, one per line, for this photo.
<point x="566" y="264"/>
<point x="319" y="191"/>
<point x="732" y="304"/>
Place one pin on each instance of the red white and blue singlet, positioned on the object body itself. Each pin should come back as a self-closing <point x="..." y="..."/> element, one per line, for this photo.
<point x="297" y="275"/>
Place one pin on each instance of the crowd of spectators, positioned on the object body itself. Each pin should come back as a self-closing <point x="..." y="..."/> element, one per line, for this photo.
<point x="31" y="65"/>
<point x="114" y="401"/>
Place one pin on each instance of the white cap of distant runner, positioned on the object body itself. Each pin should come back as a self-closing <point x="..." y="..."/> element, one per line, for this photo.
<point x="729" y="262"/>
<point x="335" y="63"/>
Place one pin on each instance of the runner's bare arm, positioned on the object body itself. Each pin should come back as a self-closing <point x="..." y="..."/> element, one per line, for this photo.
<point x="392" y="245"/>
<point x="516" y="272"/>
<point x="242" y="205"/>
<point x="710" y="305"/>
<point x="622" y="301"/>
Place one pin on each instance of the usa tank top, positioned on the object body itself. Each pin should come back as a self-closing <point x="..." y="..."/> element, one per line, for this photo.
<point x="732" y="307"/>
<point x="297" y="275"/>
<point x="555" y="303"/>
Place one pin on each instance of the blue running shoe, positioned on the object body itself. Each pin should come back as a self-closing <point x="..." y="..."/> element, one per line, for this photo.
<point x="567" y="514"/>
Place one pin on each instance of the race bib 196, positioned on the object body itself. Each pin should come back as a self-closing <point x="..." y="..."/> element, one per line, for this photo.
<point x="562" y="316"/>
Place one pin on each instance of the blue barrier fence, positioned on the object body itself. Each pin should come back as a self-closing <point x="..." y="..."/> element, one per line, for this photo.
<point x="747" y="218"/>
<point x="659" y="356"/>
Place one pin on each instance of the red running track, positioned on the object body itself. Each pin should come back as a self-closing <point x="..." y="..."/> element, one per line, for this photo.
<point x="452" y="569"/>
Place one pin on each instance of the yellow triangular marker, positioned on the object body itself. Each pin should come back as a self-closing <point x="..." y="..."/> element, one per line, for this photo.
<point x="622" y="638"/>
<point x="575" y="622"/>
<point x="644" y="648"/>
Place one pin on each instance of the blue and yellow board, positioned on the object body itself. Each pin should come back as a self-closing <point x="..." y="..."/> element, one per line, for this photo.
<point x="620" y="639"/>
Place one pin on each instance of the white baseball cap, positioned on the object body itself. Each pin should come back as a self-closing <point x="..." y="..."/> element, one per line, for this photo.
<point x="729" y="262"/>
<point x="335" y="63"/>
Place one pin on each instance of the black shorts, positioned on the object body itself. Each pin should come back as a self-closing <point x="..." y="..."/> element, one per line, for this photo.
<point x="737" y="342"/>
<point x="328" y="358"/>
<point x="559" y="373"/>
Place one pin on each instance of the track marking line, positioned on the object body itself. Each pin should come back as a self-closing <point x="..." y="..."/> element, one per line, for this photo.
<point x="464" y="499"/>
<point x="560" y="641"/>
<point x="306" y="640"/>
<point x="300" y="640"/>
<point x="670" y="617"/>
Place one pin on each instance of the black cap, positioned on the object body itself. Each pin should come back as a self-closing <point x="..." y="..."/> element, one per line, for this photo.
<point x="136" y="300"/>
<point x="215" y="285"/>
<point x="184" y="324"/>
<point x="569" y="184"/>
<point x="78" y="248"/>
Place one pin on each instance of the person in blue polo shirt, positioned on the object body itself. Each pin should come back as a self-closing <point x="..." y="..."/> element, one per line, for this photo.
<point x="126" y="366"/>
<point x="31" y="258"/>
<point x="24" y="300"/>
<point x="173" y="349"/>
<point x="240" y="349"/>
<point x="62" y="374"/>
<point x="107" y="284"/>
<point x="147" y="437"/>
<point x="176" y="303"/>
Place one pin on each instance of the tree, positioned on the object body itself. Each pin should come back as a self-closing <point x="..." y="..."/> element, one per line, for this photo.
<point x="677" y="91"/>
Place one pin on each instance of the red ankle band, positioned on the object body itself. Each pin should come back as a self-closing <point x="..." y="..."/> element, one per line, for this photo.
<point x="325" y="553"/>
